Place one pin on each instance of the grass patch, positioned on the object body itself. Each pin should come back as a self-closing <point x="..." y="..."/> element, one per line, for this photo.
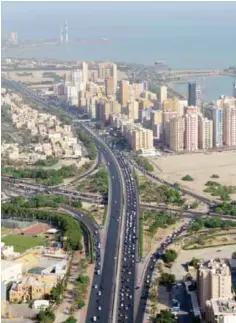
<point x="144" y="162"/>
<point x="22" y="243"/>
<point x="150" y="191"/>
<point x="158" y="219"/>
<point x="216" y="189"/>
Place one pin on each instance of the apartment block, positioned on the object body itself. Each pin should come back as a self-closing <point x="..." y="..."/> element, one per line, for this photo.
<point x="213" y="281"/>
<point x="229" y="126"/>
<point x="191" y="130"/>
<point x="221" y="310"/>
<point x="133" y="110"/>
<point x="177" y="133"/>
<point x="140" y="138"/>
<point x="205" y="132"/>
<point x="124" y="93"/>
<point x="167" y="116"/>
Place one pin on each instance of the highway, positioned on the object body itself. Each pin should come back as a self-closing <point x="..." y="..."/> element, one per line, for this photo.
<point x="102" y="294"/>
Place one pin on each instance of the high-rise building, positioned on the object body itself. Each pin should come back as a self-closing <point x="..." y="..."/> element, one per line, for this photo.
<point x="77" y="79"/>
<point x="156" y="117"/>
<point x="170" y="105"/>
<point x="213" y="281"/>
<point x="229" y="125"/>
<point x="191" y="129"/>
<point x="167" y="116"/>
<point x="216" y="115"/>
<point x="140" y="138"/>
<point x="205" y="132"/>
<point x="133" y="110"/>
<point x="177" y="132"/>
<point x="14" y="37"/>
<point x="114" y="75"/>
<point x="85" y="72"/>
<point x="234" y="90"/>
<point x="162" y="94"/>
<point x="109" y="86"/>
<point x="101" y="71"/>
<point x="194" y="94"/>
<point x="124" y="93"/>
<point x="72" y="95"/>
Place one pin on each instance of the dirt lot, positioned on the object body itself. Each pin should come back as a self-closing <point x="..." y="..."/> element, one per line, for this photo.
<point x="204" y="254"/>
<point x="151" y="244"/>
<point x="37" y="76"/>
<point x="199" y="166"/>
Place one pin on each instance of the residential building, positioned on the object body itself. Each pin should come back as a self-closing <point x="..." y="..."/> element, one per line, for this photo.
<point x="229" y="125"/>
<point x="177" y="133"/>
<point x="216" y="114"/>
<point x="162" y="94"/>
<point x="170" y="105"/>
<point x="213" y="281"/>
<point x="72" y="95"/>
<point x="167" y="116"/>
<point x="114" y="76"/>
<point x="32" y="288"/>
<point x="101" y="71"/>
<point x="221" y="310"/>
<point x="205" y="132"/>
<point x="156" y="117"/>
<point x="85" y="72"/>
<point x="124" y="93"/>
<point x="133" y="110"/>
<point x="109" y="87"/>
<point x="194" y="94"/>
<point x="191" y="129"/>
<point x="140" y="138"/>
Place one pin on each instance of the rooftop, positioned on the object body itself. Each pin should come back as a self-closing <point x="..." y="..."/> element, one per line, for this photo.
<point x="223" y="306"/>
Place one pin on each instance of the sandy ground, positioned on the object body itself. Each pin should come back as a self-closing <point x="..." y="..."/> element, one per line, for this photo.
<point x="37" y="76"/>
<point x="200" y="166"/>
<point x="204" y="254"/>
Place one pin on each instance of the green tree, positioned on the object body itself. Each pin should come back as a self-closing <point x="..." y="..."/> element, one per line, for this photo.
<point x="45" y="316"/>
<point x="167" y="279"/>
<point x="169" y="256"/>
<point x="165" y="316"/>
<point x="70" y="319"/>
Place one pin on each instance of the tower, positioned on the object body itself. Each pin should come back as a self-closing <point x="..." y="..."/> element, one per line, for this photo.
<point x="194" y="94"/>
<point x="66" y="32"/>
<point x="61" y="34"/>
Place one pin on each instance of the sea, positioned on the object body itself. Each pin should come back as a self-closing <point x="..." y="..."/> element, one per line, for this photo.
<point x="186" y="35"/>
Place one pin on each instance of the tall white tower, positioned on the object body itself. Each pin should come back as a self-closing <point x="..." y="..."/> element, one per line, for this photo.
<point x="61" y="34"/>
<point x="66" y="32"/>
<point x="85" y="72"/>
<point x="114" y="75"/>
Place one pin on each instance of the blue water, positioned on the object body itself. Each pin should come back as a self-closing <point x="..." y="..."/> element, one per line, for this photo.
<point x="184" y="34"/>
<point x="212" y="86"/>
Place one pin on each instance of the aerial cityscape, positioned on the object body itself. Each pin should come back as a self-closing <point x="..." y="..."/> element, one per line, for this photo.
<point x="118" y="151"/>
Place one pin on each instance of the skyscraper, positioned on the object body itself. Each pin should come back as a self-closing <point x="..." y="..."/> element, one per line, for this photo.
<point x="109" y="86"/>
<point x="216" y="115"/>
<point x="205" y="132"/>
<point x="85" y="72"/>
<point x="114" y="75"/>
<point x="162" y="94"/>
<point x="229" y="126"/>
<point x="124" y="92"/>
<point x="194" y="94"/>
<point x="177" y="131"/>
<point x="191" y="129"/>
<point x="234" y="90"/>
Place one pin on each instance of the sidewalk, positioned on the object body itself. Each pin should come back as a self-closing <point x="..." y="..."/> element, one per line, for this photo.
<point x="63" y="310"/>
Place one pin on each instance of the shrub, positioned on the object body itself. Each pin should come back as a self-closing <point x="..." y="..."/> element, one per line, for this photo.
<point x="169" y="256"/>
<point x="187" y="178"/>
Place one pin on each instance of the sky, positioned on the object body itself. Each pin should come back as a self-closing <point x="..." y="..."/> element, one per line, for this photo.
<point x="42" y="19"/>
